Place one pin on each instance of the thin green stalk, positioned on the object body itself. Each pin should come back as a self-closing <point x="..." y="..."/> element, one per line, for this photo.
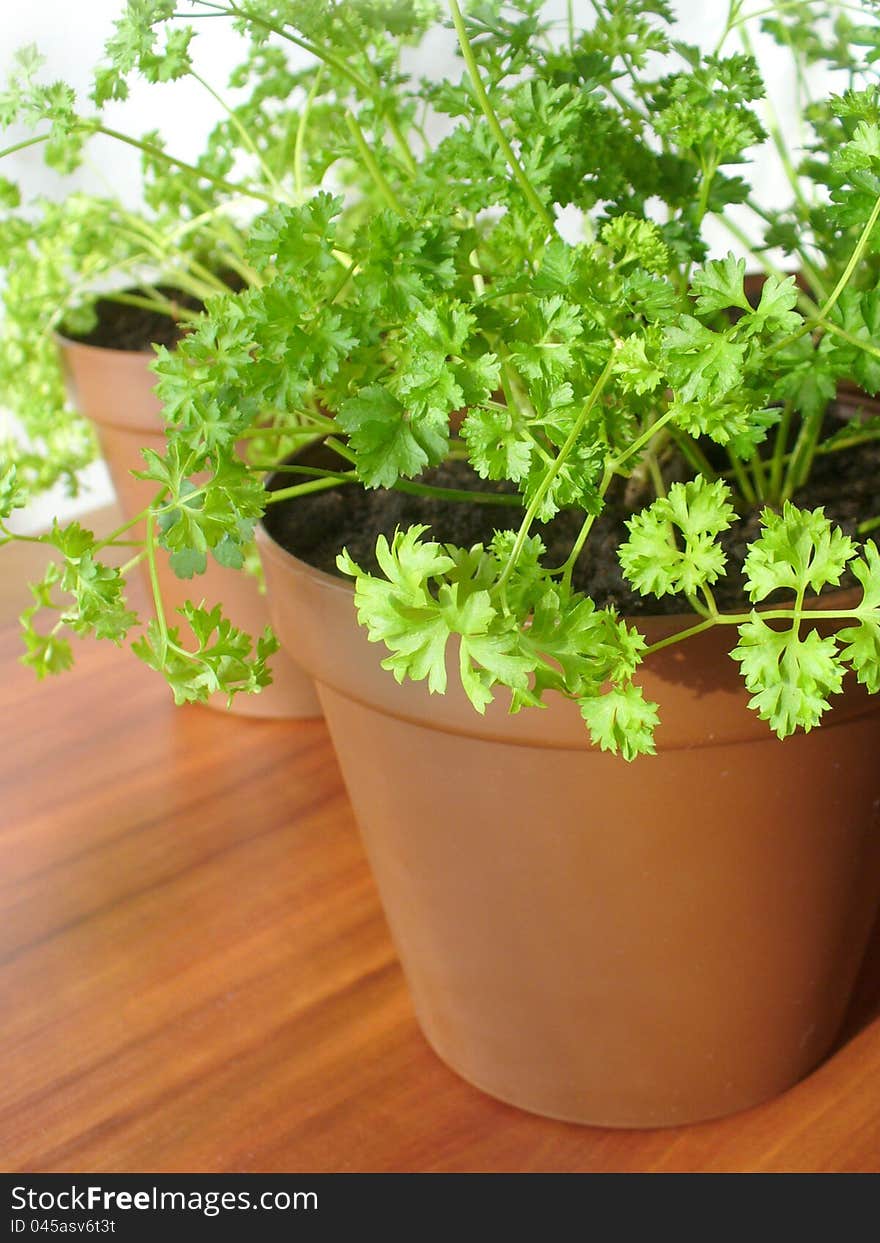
<point x="242" y="133"/>
<point x="866" y="346"/>
<point x="795" y="615"/>
<point x="131" y="522"/>
<point x="708" y="171"/>
<point x="320" y="53"/>
<point x="132" y="562"/>
<point x="402" y="146"/>
<point x="648" y="434"/>
<point x="567" y="568"/>
<point x="150" y="549"/>
<point x="742" y="479"/>
<point x="831" y="301"/>
<point x="547" y="481"/>
<point x="680" y="636"/>
<point x="759" y="475"/>
<point x="150" y="304"/>
<point x="314" y="485"/>
<point x="783" y="432"/>
<point x="158" y="153"/>
<point x="692" y="453"/>
<point x="463" y="495"/>
<point x="26" y="142"/>
<point x="372" y="166"/>
<point x="494" y="124"/>
<point x="302" y="126"/>
<point x="854" y="259"/>
<point x="408" y="486"/>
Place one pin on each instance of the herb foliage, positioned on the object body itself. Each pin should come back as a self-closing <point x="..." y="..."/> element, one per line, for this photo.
<point x="413" y="301"/>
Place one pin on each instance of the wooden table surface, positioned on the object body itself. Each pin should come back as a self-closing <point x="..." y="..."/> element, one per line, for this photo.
<point x="195" y="973"/>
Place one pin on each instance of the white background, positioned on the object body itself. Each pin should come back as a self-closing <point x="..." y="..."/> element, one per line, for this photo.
<point x="71" y="37"/>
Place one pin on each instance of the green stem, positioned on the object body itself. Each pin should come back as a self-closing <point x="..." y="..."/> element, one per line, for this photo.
<point x="242" y="133"/>
<point x="647" y="434"/>
<point x="158" y="153"/>
<point x="742" y="479"/>
<point x="320" y="53"/>
<point x="494" y="124"/>
<point x="314" y="485"/>
<point x="26" y="142"/>
<point x="150" y="304"/>
<point x="372" y="166"/>
<point x="831" y="301"/>
<point x="779" y="450"/>
<point x="547" y="481"/>
<point x="150" y="549"/>
<point x="759" y="475"/>
<point x="679" y="636"/>
<point x="302" y="126"/>
<point x="794" y="615"/>
<point x="411" y="487"/>
<point x="567" y="568"/>
<point x="859" y="344"/>
<point x="692" y="453"/>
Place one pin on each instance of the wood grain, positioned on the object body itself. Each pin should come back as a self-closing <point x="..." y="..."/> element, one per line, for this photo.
<point x="195" y="974"/>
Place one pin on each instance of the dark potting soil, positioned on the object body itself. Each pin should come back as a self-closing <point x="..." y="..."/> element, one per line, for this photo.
<point x="124" y="327"/>
<point x="317" y="527"/>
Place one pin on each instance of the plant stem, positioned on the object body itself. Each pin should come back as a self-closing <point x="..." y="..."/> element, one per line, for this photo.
<point x="795" y="615"/>
<point x="150" y="304"/>
<point x="742" y="479"/>
<point x="150" y="548"/>
<point x="550" y="476"/>
<point x="299" y="143"/>
<point x="679" y="636"/>
<point x="26" y="142"/>
<point x="314" y="485"/>
<point x="372" y="166"/>
<point x="316" y="50"/>
<point x="567" y="568"/>
<point x="242" y="133"/>
<point x="494" y="124"/>
<point x="781" y="444"/>
<point x="647" y="434"/>
<point x="149" y="149"/>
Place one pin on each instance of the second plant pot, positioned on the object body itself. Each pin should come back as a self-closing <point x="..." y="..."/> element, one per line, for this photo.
<point x="632" y="946"/>
<point x="114" y="389"/>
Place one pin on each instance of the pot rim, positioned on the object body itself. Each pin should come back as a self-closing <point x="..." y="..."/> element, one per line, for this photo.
<point x="71" y="343"/>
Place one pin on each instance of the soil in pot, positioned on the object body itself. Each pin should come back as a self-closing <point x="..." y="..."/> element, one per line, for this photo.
<point x="317" y="527"/>
<point x="121" y="326"/>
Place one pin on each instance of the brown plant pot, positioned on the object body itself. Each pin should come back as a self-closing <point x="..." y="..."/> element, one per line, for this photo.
<point x="114" y="389"/>
<point x="623" y="945"/>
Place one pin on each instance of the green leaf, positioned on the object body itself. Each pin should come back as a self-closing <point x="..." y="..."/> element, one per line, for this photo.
<point x="499" y="447"/>
<point x="622" y="721"/>
<point x="703" y="365"/>
<point x="224" y="658"/>
<point x="388" y="440"/>
<point x="791" y="677"/>
<point x="862" y="641"/>
<point x="652" y="559"/>
<point x="797" y="550"/>
<point x="12" y="495"/>
<point x="719" y="285"/>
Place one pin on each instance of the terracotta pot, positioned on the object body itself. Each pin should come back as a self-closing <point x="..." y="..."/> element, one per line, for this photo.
<point x="624" y="945"/>
<point x="114" y="388"/>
